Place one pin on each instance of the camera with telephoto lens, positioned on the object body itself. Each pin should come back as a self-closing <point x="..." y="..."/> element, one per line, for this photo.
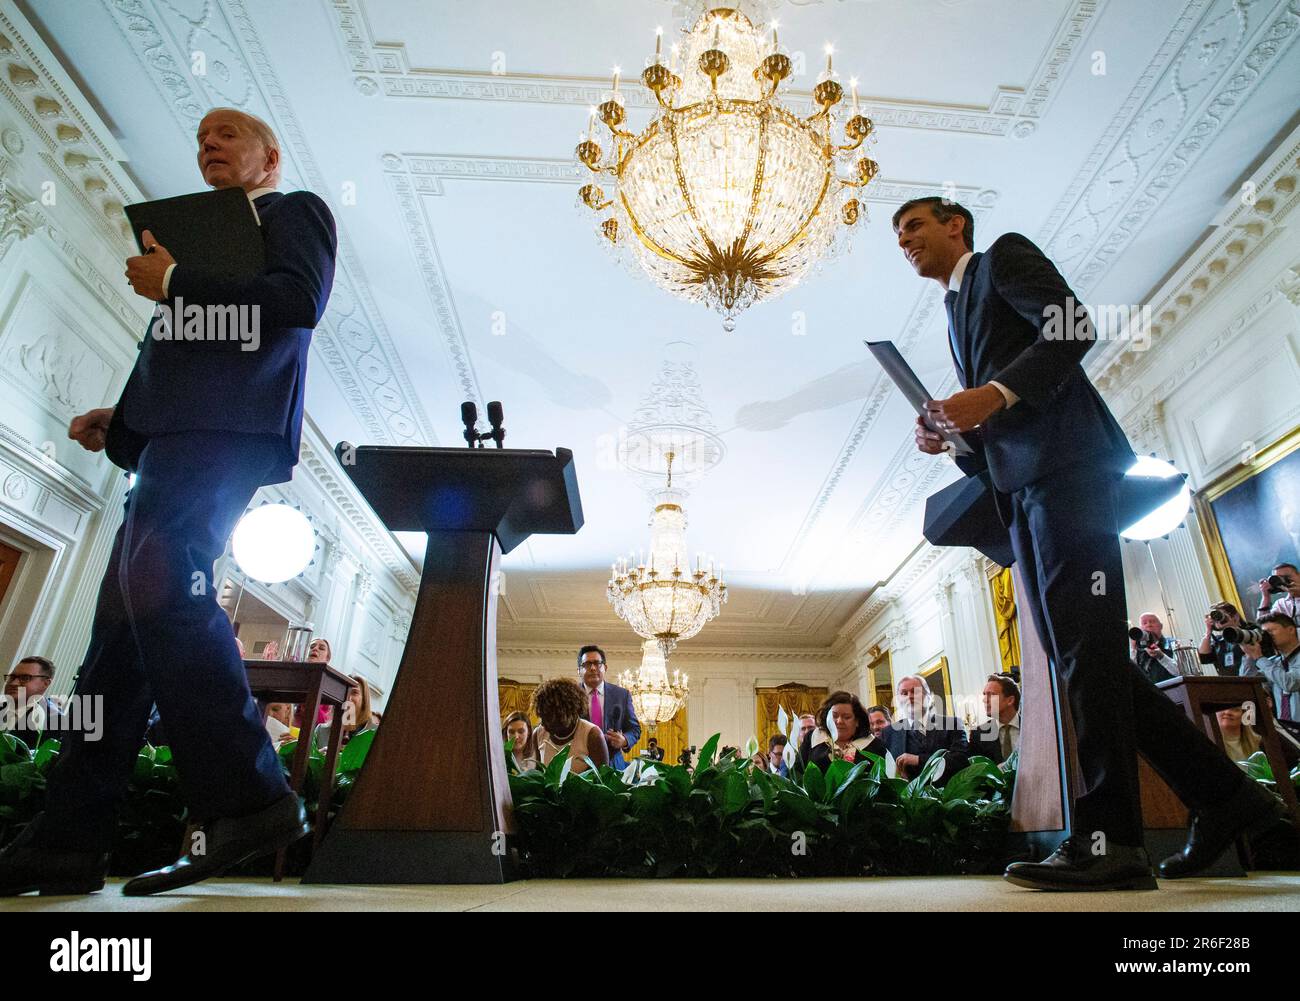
<point x="1142" y="638"/>
<point x="1218" y="616"/>
<point x="1277" y="582"/>
<point x="1250" y="637"/>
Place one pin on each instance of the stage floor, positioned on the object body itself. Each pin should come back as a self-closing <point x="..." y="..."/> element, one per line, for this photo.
<point x="1260" y="892"/>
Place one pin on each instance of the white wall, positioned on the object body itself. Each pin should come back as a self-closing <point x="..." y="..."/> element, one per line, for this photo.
<point x="69" y="325"/>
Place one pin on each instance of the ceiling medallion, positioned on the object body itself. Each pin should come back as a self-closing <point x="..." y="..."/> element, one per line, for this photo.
<point x="726" y="197"/>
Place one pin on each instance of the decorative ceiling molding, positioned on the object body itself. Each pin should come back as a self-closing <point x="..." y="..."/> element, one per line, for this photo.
<point x="419" y="231"/>
<point x="79" y="152"/>
<point x="384" y="67"/>
<point x="351" y="341"/>
<point x="1216" y="55"/>
<point x="923" y="559"/>
<point x="1243" y="231"/>
<point x="323" y="467"/>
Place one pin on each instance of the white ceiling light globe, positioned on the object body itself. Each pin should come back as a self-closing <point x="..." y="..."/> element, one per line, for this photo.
<point x="1168" y="515"/>
<point x="273" y="543"/>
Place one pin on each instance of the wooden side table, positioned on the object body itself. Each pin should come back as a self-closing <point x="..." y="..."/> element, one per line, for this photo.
<point x="311" y="685"/>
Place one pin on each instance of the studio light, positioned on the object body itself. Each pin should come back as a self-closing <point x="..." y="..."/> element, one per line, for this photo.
<point x="273" y="543"/>
<point x="1168" y="515"/>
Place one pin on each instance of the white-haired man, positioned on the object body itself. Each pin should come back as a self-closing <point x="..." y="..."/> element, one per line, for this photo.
<point x="920" y="730"/>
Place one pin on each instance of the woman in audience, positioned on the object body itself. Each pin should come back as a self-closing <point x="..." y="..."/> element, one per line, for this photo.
<point x="517" y="734"/>
<point x="843" y="733"/>
<point x="319" y="652"/>
<point x="559" y="704"/>
<point x="357" y="717"/>
<point x="1239" y="739"/>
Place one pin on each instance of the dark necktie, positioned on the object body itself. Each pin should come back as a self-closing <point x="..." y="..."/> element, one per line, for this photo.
<point x="949" y="307"/>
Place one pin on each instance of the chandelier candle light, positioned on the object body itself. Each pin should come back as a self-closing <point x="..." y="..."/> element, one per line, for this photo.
<point x="655" y="698"/>
<point x="664" y="599"/>
<point x="727" y="197"/>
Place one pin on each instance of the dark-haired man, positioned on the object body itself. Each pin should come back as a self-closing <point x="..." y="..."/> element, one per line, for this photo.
<point x="610" y="707"/>
<point x="1282" y="668"/>
<point x="28" y="711"/>
<point x="1286" y="600"/>
<point x="1055" y="456"/>
<point x="1000" y="736"/>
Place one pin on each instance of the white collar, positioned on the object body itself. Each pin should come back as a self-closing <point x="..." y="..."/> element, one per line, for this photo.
<point x="1015" y="721"/>
<point x="599" y="688"/>
<point x="257" y="193"/>
<point x="959" y="272"/>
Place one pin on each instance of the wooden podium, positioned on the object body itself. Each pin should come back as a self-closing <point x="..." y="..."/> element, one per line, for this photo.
<point x="432" y="803"/>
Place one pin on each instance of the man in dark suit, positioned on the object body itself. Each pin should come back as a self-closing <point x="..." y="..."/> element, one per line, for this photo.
<point x="999" y="736"/>
<point x="204" y="425"/>
<point x="610" y="706"/>
<point x="921" y="729"/>
<point x="28" y="712"/>
<point x="1056" y="456"/>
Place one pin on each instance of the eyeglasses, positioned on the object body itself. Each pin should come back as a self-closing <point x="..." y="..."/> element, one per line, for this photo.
<point x="26" y="679"/>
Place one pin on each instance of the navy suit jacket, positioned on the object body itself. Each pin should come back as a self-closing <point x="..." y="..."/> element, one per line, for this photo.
<point x="945" y="734"/>
<point x="621" y="716"/>
<point x="1001" y="326"/>
<point x="179" y="385"/>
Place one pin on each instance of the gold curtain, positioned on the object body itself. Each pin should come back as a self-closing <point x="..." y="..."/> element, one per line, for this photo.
<point x="1004" y="614"/>
<point x="797" y="699"/>
<point x="515" y="697"/>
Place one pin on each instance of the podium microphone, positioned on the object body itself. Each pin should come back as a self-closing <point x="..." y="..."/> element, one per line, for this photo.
<point x="469" y="416"/>
<point x="495" y="418"/>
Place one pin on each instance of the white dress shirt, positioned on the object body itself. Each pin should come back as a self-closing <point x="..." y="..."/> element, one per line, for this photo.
<point x="954" y="284"/>
<point x="253" y="195"/>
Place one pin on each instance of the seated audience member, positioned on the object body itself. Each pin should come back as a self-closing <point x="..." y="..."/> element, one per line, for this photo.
<point x="1226" y="657"/>
<point x="1154" y="659"/>
<point x="807" y="723"/>
<point x="517" y="735"/>
<point x="843" y="733"/>
<point x="1287" y="600"/>
<point x="918" y="731"/>
<point x="774" y="760"/>
<point x="559" y="703"/>
<point x="357" y="717"/>
<point x="880" y="719"/>
<point x="27" y="710"/>
<point x="279" y="723"/>
<point x="1240" y="740"/>
<point x="1281" y="670"/>
<point x="1000" y="735"/>
<point x="653" y="752"/>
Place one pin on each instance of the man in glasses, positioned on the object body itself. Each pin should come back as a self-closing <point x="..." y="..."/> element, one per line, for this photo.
<point x="27" y="710"/>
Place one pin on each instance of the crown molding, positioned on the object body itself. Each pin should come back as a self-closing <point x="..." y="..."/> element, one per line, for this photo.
<point x="683" y="654"/>
<point x="385" y="68"/>
<point x="1170" y="118"/>
<point x="1243" y="230"/>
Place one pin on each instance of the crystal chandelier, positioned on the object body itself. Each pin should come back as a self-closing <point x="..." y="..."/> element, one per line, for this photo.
<point x="664" y="600"/>
<point x="655" y="698"/>
<point x="727" y="196"/>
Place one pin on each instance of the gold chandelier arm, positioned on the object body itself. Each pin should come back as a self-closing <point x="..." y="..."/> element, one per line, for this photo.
<point x="644" y="237"/>
<point x="851" y="146"/>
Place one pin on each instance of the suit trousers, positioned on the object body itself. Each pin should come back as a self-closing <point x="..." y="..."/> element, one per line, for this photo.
<point x="1065" y="535"/>
<point x="159" y="636"/>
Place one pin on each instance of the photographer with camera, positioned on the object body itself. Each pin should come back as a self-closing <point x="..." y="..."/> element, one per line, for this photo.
<point x="1280" y="591"/>
<point x="1152" y="650"/>
<point x="1224" y="652"/>
<point x="1279" y="666"/>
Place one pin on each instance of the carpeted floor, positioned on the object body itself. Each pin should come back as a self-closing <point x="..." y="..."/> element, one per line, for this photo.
<point x="1259" y="892"/>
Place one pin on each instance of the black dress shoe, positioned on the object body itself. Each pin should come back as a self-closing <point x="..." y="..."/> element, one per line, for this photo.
<point x="1073" y="866"/>
<point x="227" y="842"/>
<point x="29" y="865"/>
<point x="1251" y="810"/>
